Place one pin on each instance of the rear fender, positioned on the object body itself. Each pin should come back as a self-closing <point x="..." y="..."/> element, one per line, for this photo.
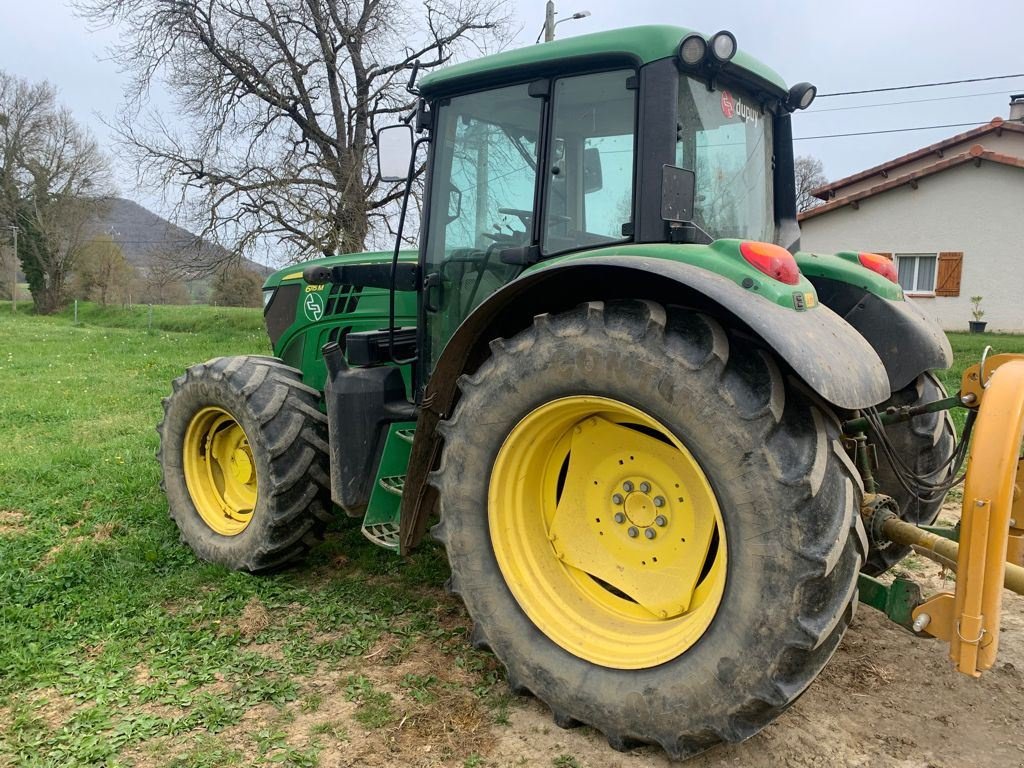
<point x="832" y="358"/>
<point x="907" y="341"/>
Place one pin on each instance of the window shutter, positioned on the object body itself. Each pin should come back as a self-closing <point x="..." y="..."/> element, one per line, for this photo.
<point x="947" y="283"/>
<point x="883" y="253"/>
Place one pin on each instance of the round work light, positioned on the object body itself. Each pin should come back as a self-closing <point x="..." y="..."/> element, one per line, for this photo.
<point x="801" y="95"/>
<point x="692" y="50"/>
<point x="723" y="46"/>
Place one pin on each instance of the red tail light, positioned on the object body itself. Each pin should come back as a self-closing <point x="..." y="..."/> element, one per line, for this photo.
<point x="774" y="260"/>
<point x="879" y="264"/>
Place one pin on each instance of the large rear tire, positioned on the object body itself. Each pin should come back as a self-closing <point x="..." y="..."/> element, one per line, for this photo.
<point x="925" y="443"/>
<point x="243" y="449"/>
<point x="566" y="447"/>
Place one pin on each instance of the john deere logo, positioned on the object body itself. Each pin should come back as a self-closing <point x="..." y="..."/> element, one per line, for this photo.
<point x="313" y="306"/>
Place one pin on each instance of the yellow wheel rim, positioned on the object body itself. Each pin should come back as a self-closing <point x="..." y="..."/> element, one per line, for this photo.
<point x="220" y="471"/>
<point x="607" y="532"/>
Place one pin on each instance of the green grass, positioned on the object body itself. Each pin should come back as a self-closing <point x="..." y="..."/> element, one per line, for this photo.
<point x="117" y="646"/>
<point x="112" y="635"/>
<point x="967" y="351"/>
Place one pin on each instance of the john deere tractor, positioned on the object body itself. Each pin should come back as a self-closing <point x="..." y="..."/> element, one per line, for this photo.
<point x="664" y="449"/>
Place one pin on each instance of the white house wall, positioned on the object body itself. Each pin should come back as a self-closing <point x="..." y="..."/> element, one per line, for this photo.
<point x="977" y="210"/>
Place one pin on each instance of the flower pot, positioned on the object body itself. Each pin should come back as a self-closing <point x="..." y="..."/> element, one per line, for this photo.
<point x="978" y="326"/>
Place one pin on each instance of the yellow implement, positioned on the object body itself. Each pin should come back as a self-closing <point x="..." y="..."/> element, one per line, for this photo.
<point x="991" y="536"/>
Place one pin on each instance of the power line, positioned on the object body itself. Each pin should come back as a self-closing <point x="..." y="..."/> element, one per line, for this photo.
<point x="890" y="130"/>
<point x="921" y="85"/>
<point x="905" y="101"/>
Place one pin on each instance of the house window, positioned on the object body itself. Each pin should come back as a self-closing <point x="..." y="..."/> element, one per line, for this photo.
<point x="916" y="272"/>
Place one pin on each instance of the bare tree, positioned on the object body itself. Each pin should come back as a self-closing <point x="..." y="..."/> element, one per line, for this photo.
<point x="101" y="271"/>
<point x="810" y="174"/>
<point x="52" y="178"/>
<point x="278" y="102"/>
<point x="163" y="279"/>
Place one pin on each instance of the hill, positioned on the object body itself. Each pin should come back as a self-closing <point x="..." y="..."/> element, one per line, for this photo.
<point x="147" y="239"/>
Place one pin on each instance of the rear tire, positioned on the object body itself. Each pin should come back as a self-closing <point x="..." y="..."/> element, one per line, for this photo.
<point x="243" y="449"/>
<point x="788" y="498"/>
<point x="924" y="443"/>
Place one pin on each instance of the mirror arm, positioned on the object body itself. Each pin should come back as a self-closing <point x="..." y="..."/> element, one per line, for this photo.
<point x="398" y="246"/>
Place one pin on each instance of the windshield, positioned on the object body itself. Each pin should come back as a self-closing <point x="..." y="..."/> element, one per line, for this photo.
<point x="725" y="137"/>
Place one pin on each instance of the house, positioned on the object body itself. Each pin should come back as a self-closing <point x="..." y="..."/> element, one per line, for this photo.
<point x="952" y="216"/>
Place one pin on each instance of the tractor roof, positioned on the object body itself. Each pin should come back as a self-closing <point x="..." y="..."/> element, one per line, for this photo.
<point x="642" y="44"/>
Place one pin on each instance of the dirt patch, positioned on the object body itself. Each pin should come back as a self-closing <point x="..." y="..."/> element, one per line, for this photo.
<point x="254" y="619"/>
<point x="13" y="522"/>
<point x="101" y="533"/>
<point x="54" y="708"/>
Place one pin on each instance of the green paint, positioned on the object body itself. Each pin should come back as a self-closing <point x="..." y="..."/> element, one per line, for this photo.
<point x="324" y="312"/>
<point x="897" y="600"/>
<point x="383" y="511"/>
<point x="642" y="44"/>
<point x="845" y="267"/>
<point x="722" y="257"/>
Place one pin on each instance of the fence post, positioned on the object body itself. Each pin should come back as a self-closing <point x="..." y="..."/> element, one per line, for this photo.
<point x="76" y="312"/>
<point x="151" y="317"/>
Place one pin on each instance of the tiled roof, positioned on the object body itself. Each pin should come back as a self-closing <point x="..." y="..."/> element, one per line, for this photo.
<point x="997" y="126"/>
<point x="976" y="154"/>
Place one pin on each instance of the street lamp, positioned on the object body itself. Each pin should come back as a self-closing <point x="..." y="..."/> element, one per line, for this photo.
<point x="548" y="31"/>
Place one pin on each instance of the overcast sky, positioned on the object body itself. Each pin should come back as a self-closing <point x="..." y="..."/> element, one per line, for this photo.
<point x="837" y="46"/>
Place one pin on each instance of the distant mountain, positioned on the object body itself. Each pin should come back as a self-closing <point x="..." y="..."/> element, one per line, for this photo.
<point x="144" y="237"/>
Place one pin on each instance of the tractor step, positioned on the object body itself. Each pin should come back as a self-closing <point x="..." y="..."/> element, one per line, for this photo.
<point x="383" y="535"/>
<point x="394" y="484"/>
<point x="381" y="521"/>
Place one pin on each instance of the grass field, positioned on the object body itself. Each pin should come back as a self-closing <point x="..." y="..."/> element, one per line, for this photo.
<point x="118" y="648"/>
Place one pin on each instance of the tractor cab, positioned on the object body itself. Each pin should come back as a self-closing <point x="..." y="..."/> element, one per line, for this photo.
<point x="565" y="154"/>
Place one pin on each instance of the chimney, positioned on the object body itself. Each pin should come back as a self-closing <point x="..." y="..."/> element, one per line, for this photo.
<point x="1017" y="107"/>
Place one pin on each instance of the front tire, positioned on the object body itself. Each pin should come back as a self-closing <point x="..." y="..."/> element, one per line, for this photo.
<point x="244" y="457"/>
<point x="752" y="600"/>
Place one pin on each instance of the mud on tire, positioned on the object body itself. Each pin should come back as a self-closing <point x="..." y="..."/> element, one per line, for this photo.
<point x="287" y="435"/>
<point x="787" y="491"/>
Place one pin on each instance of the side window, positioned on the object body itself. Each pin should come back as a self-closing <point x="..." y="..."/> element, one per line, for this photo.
<point x="484" y="180"/>
<point x="590" y="168"/>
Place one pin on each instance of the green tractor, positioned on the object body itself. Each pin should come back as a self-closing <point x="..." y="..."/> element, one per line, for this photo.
<point x="661" y="445"/>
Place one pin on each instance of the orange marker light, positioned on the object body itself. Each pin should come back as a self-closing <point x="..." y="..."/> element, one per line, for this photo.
<point x="879" y="264"/>
<point x="774" y="260"/>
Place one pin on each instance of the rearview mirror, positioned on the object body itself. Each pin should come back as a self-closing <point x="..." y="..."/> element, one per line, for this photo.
<point x="592" y="177"/>
<point x="678" y="187"/>
<point x="394" y="152"/>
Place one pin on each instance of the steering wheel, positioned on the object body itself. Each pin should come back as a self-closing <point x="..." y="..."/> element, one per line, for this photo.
<point x="527" y="216"/>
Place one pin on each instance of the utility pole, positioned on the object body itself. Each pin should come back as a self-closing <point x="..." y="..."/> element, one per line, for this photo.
<point x="548" y="31"/>
<point x="549" y="21"/>
<point x="14" y="270"/>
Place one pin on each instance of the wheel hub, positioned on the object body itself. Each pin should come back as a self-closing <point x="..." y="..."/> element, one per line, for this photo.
<point x="219" y="471"/>
<point x="241" y="465"/>
<point x="627" y="550"/>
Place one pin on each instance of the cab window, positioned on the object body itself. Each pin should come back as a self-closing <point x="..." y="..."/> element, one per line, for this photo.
<point x="589" y="169"/>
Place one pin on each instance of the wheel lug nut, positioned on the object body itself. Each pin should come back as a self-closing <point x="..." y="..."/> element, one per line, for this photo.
<point x="660" y="521"/>
<point x="617" y="498"/>
<point x="619" y="517"/>
<point x="633" y="532"/>
<point x="645" y="487"/>
<point x="659" y="501"/>
<point x="627" y="486"/>
<point x="649" y="533"/>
